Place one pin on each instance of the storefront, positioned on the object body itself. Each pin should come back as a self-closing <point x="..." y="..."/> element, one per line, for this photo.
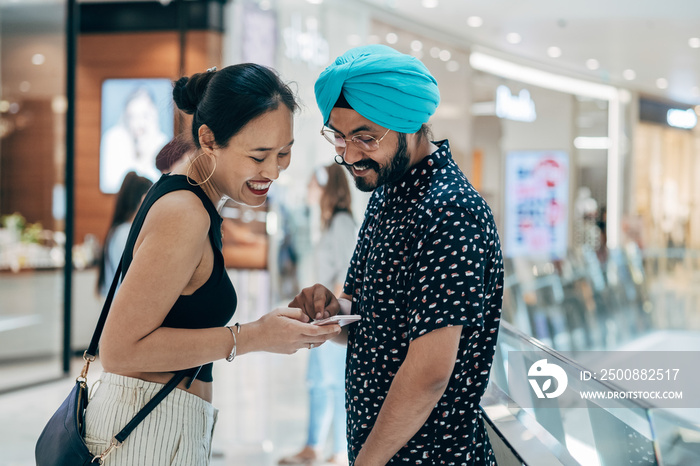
<point x="666" y="202"/>
<point x="555" y="151"/>
<point x="59" y="59"/>
<point x="33" y="109"/>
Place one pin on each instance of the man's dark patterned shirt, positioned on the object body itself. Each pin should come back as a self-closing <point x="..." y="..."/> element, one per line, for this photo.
<point x="428" y="256"/>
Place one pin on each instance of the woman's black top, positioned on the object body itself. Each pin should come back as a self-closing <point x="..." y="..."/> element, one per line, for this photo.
<point x="212" y="304"/>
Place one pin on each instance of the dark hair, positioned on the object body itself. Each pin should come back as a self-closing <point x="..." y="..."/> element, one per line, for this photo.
<point x="425" y="132"/>
<point x="336" y="196"/>
<point x="133" y="188"/>
<point x="173" y="151"/>
<point x="228" y="99"/>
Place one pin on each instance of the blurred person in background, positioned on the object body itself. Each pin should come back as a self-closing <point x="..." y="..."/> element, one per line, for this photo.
<point x="329" y="188"/>
<point x="426" y="276"/>
<point x="174" y="152"/>
<point x="173" y="308"/>
<point x="129" y="198"/>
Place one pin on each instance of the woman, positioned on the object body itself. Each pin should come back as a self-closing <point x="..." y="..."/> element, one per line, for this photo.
<point x="176" y="299"/>
<point x="129" y="198"/>
<point x="330" y="189"/>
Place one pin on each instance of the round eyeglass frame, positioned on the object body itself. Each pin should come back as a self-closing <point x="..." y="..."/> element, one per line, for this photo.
<point x="358" y="143"/>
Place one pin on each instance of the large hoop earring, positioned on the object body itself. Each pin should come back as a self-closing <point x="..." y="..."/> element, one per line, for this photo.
<point x="190" y="168"/>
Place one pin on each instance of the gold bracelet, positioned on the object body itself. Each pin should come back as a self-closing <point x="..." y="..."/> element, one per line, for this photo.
<point x="231" y="356"/>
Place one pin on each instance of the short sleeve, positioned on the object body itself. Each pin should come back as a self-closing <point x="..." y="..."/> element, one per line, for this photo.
<point x="447" y="282"/>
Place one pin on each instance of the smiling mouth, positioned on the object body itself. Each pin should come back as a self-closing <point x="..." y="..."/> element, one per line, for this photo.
<point x="259" y="187"/>
<point x="360" y="168"/>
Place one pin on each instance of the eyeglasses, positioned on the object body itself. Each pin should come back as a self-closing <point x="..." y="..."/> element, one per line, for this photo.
<point x="365" y="142"/>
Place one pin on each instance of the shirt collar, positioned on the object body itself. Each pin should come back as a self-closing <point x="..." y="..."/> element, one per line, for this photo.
<point x="419" y="175"/>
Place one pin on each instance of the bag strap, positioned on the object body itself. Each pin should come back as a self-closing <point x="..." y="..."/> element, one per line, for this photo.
<point x="150" y="406"/>
<point x="91" y="353"/>
<point x="92" y="349"/>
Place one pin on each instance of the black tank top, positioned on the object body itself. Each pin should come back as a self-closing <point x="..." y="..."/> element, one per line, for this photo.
<point x="212" y="304"/>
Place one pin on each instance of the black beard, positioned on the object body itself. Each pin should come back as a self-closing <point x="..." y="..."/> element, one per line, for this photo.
<point x="396" y="169"/>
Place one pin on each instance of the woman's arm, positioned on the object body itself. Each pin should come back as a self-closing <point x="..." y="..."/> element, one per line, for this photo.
<point x="172" y="256"/>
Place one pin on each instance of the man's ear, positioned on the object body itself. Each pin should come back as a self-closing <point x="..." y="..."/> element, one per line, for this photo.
<point x="206" y="139"/>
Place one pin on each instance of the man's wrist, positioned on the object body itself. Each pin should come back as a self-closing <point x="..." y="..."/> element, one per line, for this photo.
<point x="345" y="306"/>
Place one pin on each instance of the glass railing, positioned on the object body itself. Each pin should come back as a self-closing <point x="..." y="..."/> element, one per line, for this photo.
<point x="586" y="301"/>
<point x="573" y="430"/>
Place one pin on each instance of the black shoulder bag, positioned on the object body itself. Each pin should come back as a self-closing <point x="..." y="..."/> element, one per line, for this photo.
<point x="62" y="442"/>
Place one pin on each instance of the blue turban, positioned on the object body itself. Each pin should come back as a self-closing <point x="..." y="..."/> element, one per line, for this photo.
<point x="387" y="87"/>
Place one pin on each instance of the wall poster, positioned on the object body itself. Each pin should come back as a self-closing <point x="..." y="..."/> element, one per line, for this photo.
<point x="137" y="121"/>
<point x="536" y="204"/>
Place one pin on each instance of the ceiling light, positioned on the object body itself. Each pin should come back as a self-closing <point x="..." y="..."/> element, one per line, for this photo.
<point x="489" y="64"/>
<point x="4" y="106"/>
<point x="694" y="42"/>
<point x="59" y="104"/>
<point x="554" y="52"/>
<point x="312" y="23"/>
<point x="416" y="45"/>
<point x="315" y="2"/>
<point x="435" y="52"/>
<point x="662" y="83"/>
<point x="24" y="86"/>
<point x="629" y="75"/>
<point x="445" y="55"/>
<point x="452" y="65"/>
<point x="392" y="38"/>
<point x="429" y="3"/>
<point x="38" y="59"/>
<point x="514" y="38"/>
<point x="592" y="64"/>
<point x="474" y="21"/>
<point x="601" y="142"/>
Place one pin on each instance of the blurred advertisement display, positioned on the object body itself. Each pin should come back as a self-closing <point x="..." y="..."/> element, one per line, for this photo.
<point x="536" y="204"/>
<point x="137" y="121"/>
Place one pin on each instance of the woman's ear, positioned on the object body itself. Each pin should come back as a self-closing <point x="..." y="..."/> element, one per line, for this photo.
<point x="206" y="139"/>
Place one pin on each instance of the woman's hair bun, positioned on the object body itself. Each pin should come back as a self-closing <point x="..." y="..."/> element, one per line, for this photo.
<point x="188" y="92"/>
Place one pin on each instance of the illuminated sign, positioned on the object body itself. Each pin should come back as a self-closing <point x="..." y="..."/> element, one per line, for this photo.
<point x="672" y="114"/>
<point x="307" y="46"/>
<point x="519" y="108"/>
<point x="686" y="119"/>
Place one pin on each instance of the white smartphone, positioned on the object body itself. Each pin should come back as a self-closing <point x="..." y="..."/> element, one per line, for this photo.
<point x="341" y="320"/>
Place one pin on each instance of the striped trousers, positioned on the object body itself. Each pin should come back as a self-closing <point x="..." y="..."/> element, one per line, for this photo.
<point x="178" y="432"/>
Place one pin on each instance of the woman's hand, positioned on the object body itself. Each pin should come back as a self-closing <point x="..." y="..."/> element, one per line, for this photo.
<point x="286" y="330"/>
<point x="317" y="302"/>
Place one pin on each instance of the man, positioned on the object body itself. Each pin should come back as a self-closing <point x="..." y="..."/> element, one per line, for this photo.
<point x="426" y="275"/>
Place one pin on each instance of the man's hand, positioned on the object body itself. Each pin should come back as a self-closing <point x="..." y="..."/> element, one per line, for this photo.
<point x="317" y="301"/>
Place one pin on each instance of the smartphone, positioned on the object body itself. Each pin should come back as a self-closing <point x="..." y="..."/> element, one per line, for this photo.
<point x="341" y="320"/>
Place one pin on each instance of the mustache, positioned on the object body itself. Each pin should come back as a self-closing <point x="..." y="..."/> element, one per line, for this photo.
<point x="367" y="164"/>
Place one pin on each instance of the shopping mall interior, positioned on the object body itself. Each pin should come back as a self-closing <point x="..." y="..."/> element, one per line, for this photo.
<point x="576" y="122"/>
